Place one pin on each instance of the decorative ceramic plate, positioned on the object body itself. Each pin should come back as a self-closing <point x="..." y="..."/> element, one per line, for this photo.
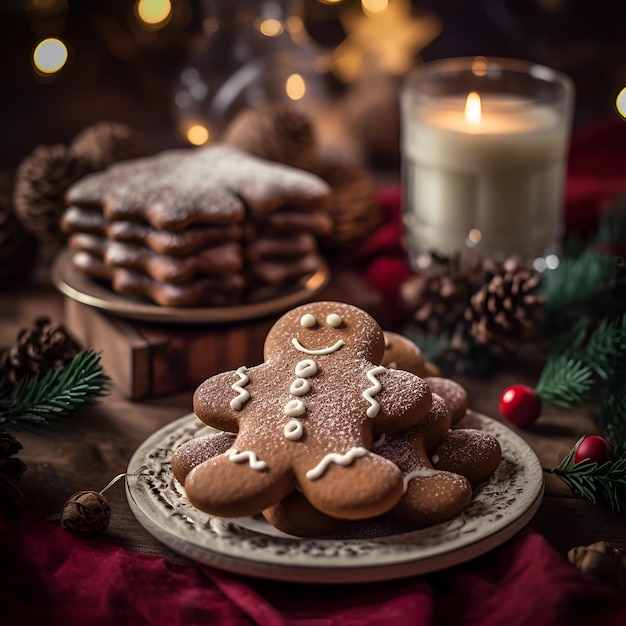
<point x="364" y="552"/>
<point x="83" y="289"/>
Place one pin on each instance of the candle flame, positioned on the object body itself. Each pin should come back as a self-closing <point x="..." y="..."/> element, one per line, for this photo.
<point x="473" y="108"/>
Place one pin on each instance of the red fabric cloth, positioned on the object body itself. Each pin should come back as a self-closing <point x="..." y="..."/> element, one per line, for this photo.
<point x="596" y="172"/>
<point x="53" y="578"/>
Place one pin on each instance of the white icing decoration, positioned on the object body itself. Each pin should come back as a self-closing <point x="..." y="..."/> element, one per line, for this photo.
<point x="424" y="472"/>
<point x="435" y="458"/>
<point x="300" y="387"/>
<point x="293" y="430"/>
<point x="306" y="368"/>
<point x="328" y="350"/>
<point x="294" y="408"/>
<point x="376" y="387"/>
<point x="308" y="320"/>
<point x="334" y="457"/>
<point x="392" y="366"/>
<point x="237" y="403"/>
<point x="239" y="457"/>
<point x="334" y="320"/>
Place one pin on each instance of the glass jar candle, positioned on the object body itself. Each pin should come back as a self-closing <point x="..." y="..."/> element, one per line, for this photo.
<point x="484" y="148"/>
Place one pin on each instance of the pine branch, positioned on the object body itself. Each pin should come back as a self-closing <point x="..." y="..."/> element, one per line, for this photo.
<point x="595" y="482"/>
<point x="40" y="400"/>
<point x="576" y="280"/>
<point x="606" y="347"/>
<point x="568" y="376"/>
<point x="611" y="417"/>
<point x="564" y="380"/>
<point x="573" y="339"/>
<point x="612" y="225"/>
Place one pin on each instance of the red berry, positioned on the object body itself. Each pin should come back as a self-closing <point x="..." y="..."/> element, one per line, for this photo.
<point x="520" y="404"/>
<point x="595" y="449"/>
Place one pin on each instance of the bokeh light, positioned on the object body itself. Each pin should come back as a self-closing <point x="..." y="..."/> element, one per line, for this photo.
<point x="295" y="87"/>
<point x="270" y="27"/>
<point x="154" y="14"/>
<point x="474" y="237"/>
<point x="620" y="102"/>
<point x="49" y="56"/>
<point x="198" y="135"/>
<point x="552" y="261"/>
<point x="479" y="66"/>
<point x="374" y="6"/>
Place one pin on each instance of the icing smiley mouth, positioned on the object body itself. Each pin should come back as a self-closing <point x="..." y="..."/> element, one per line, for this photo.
<point x="327" y="350"/>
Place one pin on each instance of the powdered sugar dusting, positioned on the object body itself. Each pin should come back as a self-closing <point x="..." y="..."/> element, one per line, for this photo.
<point x="452" y="392"/>
<point x="176" y="188"/>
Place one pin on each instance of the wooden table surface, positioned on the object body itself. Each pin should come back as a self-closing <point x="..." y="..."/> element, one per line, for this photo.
<point x="96" y="445"/>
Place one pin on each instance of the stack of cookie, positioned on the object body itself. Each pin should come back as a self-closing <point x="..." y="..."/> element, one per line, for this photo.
<point x="329" y="429"/>
<point x="197" y="227"/>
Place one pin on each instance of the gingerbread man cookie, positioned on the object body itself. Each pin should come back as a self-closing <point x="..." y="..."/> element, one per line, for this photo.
<point x="454" y="394"/>
<point x="306" y="418"/>
<point x="435" y="490"/>
<point x="469" y="452"/>
<point x="403" y="354"/>
<point x="430" y="495"/>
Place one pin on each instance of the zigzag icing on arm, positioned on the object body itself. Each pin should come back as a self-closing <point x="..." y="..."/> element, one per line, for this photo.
<point x="424" y="472"/>
<point x="243" y="396"/>
<point x="334" y="457"/>
<point x="239" y="457"/>
<point x="376" y="387"/>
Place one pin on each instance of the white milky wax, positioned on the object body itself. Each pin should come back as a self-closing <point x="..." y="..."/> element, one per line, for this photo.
<point x="502" y="176"/>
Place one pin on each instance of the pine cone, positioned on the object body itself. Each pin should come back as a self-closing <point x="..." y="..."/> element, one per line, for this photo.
<point x="505" y="310"/>
<point x="602" y="561"/>
<point x="18" y="250"/>
<point x="40" y="184"/>
<point x="274" y="132"/>
<point x="10" y="466"/>
<point x="439" y="295"/>
<point x="105" y="143"/>
<point x="353" y="204"/>
<point x="44" y="347"/>
<point x="86" y="512"/>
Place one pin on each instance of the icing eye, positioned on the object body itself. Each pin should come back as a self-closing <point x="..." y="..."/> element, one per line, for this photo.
<point x="334" y="320"/>
<point x="308" y="320"/>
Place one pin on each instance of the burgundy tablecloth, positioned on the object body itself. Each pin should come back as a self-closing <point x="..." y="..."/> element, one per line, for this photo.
<point x="50" y="577"/>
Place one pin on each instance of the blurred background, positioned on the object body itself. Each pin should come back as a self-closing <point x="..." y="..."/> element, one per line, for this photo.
<point x="147" y="63"/>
